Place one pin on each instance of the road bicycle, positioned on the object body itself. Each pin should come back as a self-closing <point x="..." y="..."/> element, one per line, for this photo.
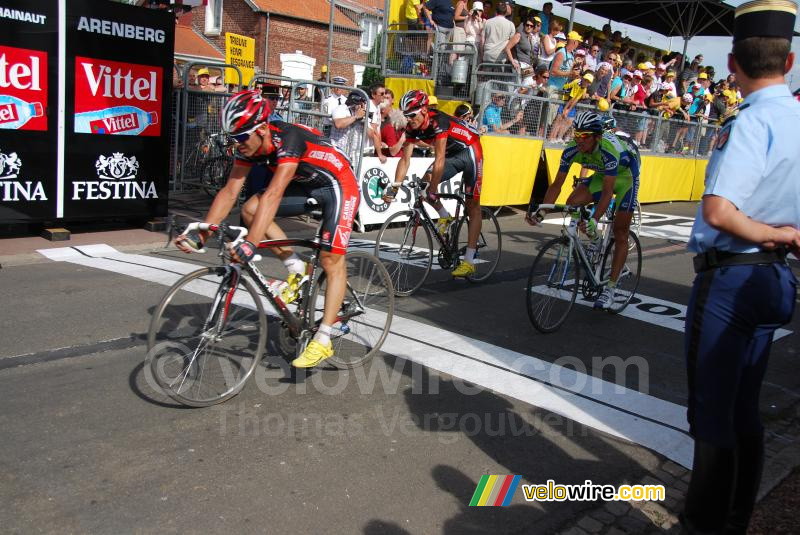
<point x="556" y="276"/>
<point x="208" y="333"/>
<point x="405" y="244"/>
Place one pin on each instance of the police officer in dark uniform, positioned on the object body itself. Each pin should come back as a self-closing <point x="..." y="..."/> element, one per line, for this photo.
<point x="744" y="290"/>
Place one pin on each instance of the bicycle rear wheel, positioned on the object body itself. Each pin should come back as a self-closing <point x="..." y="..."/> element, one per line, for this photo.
<point x="628" y="281"/>
<point x="367" y="310"/>
<point x="552" y="285"/>
<point x="215" y="174"/>
<point x="487" y="254"/>
<point x="406" y="251"/>
<point x="206" y="337"/>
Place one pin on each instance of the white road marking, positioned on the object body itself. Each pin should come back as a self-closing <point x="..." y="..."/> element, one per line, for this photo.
<point x="666" y="227"/>
<point x="618" y="411"/>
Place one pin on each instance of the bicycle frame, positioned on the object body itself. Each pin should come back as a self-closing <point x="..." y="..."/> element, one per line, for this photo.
<point x="419" y="210"/>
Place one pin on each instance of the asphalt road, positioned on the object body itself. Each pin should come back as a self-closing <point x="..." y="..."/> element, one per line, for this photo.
<point x="466" y="387"/>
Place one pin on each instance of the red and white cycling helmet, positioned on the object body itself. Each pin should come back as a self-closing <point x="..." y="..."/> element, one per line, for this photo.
<point x="244" y="112"/>
<point x="413" y="100"/>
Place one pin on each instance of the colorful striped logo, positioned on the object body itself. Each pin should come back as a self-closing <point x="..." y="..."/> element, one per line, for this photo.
<point x="495" y="490"/>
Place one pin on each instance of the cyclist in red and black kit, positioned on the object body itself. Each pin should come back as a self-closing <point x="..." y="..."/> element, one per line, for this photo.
<point x="305" y="166"/>
<point x="457" y="148"/>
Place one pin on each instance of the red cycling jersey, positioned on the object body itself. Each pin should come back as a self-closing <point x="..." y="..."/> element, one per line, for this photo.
<point x="459" y="135"/>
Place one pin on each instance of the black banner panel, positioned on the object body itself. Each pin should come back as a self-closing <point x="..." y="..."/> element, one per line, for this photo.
<point x="114" y="73"/>
<point x="28" y="110"/>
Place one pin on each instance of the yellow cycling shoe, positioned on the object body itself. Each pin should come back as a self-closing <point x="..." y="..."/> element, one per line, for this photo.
<point x="313" y="355"/>
<point x="464" y="269"/>
<point x="443" y="223"/>
<point x="291" y="291"/>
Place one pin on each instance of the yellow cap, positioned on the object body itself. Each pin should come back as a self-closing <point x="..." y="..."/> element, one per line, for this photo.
<point x="324" y="68"/>
<point x="602" y="105"/>
<point x="642" y="67"/>
<point x="574" y="36"/>
<point x="589" y="76"/>
<point x="702" y="76"/>
<point x="203" y="72"/>
<point x="432" y="100"/>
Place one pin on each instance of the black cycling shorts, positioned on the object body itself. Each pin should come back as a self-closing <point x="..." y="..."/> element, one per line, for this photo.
<point x="469" y="162"/>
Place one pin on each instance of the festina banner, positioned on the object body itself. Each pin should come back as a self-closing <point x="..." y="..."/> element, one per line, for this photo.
<point x="28" y="109"/>
<point x="82" y="123"/>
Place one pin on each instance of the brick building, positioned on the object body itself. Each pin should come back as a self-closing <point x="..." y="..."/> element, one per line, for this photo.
<point x="291" y="37"/>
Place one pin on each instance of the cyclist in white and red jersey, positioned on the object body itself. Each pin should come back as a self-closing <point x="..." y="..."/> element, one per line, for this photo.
<point x="457" y="148"/>
<point x="305" y="166"/>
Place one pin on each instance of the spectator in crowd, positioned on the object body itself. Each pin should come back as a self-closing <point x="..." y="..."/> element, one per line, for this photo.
<point x="547" y="16"/>
<point x="285" y="96"/>
<point x="348" y="127"/>
<point x="302" y="103"/>
<point x="487" y="10"/>
<point x="580" y="58"/>
<point x="637" y="104"/>
<point x="549" y="42"/>
<point x="393" y="126"/>
<point x="661" y="72"/>
<point x="522" y="49"/>
<point x="337" y="98"/>
<point x="689" y="74"/>
<point x="669" y="79"/>
<point x="320" y="92"/>
<point x="464" y="112"/>
<point x="377" y="101"/>
<point x="574" y="91"/>
<point x="561" y="68"/>
<point x="535" y="110"/>
<point x="497" y="32"/>
<point x="412" y="9"/>
<point x="601" y="87"/>
<point x="473" y="27"/>
<point x="203" y="80"/>
<point x="620" y="85"/>
<point x="442" y="15"/>
<point x="592" y="59"/>
<point x="493" y="116"/>
<point x="683" y="114"/>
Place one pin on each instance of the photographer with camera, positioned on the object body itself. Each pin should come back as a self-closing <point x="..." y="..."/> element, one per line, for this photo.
<point x="348" y="127"/>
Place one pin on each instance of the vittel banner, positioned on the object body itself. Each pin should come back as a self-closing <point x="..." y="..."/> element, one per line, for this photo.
<point x="117" y="100"/>
<point x="113" y="97"/>
<point x="28" y="116"/>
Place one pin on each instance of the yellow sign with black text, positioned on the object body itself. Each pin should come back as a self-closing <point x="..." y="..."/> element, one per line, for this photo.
<point x="241" y="52"/>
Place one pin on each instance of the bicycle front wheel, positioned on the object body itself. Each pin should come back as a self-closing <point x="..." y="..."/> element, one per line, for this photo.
<point x="406" y="250"/>
<point x="206" y="337"/>
<point x="487" y="253"/>
<point x="628" y="280"/>
<point x="365" y="315"/>
<point x="552" y="285"/>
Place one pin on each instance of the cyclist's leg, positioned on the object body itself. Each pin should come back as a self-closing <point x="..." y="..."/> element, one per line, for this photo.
<point x="292" y="204"/>
<point x="472" y="179"/>
<point x="339" y="201"/>
<point x="626" y="190"/>
<point x="582" y="193"/>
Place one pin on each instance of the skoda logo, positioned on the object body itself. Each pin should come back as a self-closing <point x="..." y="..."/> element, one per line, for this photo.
<point x="373" y="184"/>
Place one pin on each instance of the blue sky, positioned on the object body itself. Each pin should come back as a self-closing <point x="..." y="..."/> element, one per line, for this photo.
<point x="714" y="49"/>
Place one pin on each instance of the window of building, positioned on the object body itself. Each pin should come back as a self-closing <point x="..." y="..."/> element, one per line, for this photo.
<point x="370" y="28"/>
<point x="214" y="17"/>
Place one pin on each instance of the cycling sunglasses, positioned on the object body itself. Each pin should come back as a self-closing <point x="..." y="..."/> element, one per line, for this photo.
<point x="411" y="114"/>
<point x="581" y="135"/>
<point x="244" y="136"/>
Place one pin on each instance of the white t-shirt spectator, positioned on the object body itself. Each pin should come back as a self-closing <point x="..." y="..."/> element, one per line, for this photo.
<point x="347" y="140"/>
<point x="496" y="33"/>
<point x="374" y="113"/>
<point x="590" y="62"/>
<point x="330" y="104"/>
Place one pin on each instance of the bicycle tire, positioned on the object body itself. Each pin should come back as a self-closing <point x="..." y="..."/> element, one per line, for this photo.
<point x="369" y="284"/>
<point x="201" y="375"/>
<point x="636" y="224"/>
<point x="215" y="174"/>
<point x="407" y="261"/>
<point x="490" y="244"/>
<point x="553" y="279"/>
<point x="628" y="282"/>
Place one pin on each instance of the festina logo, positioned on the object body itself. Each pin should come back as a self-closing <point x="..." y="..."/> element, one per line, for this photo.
<point x="118" y="84"/>
<point x="117" y="175"/>
<point x="12" y="189"/>
<point x="20" y="75"/>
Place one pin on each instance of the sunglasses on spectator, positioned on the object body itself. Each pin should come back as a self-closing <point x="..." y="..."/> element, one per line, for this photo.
<point x="581" y="135"/>
<point x="528" y="25"/>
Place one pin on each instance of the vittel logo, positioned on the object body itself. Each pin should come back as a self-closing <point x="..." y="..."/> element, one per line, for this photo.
<point x="20" y="75"/>
<point x="111" y="83"/>
<point x="11" y="187"/>
<point x="117" y="174"/>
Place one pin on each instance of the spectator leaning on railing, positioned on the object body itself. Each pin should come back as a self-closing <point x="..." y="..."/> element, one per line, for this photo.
<point x="497" y="32"/>
<point x="493" y="115"/>
<point x="393" y="126"/>
<point x="574" y="91"/>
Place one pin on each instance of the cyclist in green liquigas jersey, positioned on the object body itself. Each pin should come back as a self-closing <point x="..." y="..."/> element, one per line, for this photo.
<point x="616" y="164"/>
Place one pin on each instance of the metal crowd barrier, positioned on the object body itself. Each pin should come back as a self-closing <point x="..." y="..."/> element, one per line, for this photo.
<point x="408" y="53"/>
<point x="453" y="65"/>
<point x="527" y="115"/>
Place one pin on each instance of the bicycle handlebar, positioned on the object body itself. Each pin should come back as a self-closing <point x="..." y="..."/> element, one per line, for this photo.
<point x="234" y="234"/>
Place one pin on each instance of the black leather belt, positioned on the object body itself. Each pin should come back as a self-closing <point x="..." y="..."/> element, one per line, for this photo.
<point x="714" y="258"/>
